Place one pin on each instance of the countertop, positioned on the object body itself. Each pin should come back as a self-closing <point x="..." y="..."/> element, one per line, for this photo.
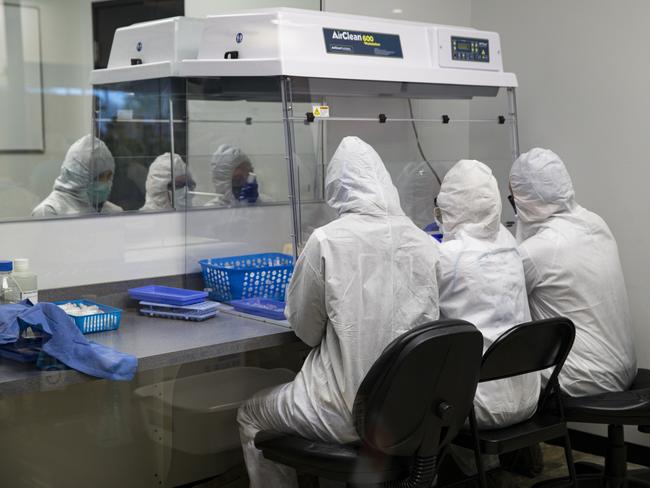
<point x="156" y="343"/>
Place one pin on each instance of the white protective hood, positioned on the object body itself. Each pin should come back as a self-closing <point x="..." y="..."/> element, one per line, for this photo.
<point x="357" y="181"/>
<point x="85" y="160"/>
<point x="542" y="187"/>
<point x="159" y="178"/>
<point x="470" y="202"/>
<point x="223" y="163"/>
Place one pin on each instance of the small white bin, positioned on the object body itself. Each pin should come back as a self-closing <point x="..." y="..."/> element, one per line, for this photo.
<point x="203" y="407"/>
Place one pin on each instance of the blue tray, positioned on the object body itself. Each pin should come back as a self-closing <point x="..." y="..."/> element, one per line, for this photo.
<point x="199" y="311"/>
<point x="262" y="307"/>
<point x="168" y="295"/>
<point x="178" y="315"/>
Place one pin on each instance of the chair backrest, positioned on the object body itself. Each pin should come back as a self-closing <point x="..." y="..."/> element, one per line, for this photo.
<point x="532" y="346"/>
<point x="419" y="392"/>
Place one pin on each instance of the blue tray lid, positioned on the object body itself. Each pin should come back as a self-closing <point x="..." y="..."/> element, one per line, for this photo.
<point x="168" y="294"/>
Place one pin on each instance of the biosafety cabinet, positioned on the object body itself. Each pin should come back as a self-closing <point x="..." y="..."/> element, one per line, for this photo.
<point x="284" y="86"/>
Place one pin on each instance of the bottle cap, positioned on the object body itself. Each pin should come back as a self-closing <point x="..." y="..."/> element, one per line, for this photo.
<point x="21" y="264"/>
<point x="6" y="266"/>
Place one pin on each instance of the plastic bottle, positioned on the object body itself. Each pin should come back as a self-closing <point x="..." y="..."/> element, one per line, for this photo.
<point x="6" y="267"/>
<point x="26" y="283"/>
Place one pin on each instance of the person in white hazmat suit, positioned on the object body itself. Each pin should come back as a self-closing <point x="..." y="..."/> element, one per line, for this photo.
<point x="573" y="269"/>
<point x="481" y="280"/>
<point x="361" y="281"/>
<point x="159" y="187"/>
<point x="231" y="168"/>
<point x="84" y="184"/>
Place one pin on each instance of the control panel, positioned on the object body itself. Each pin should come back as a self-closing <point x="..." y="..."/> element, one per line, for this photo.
<point x="470" y="49"/>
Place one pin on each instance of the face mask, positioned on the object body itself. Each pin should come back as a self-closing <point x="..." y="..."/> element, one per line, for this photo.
<point x="511" y="199"/>
<point x="437" y="216"/>
<point x="98" y="192"/>
<point x="180" y="197"/>
<point x="236" y="191"/>
<point x="437" y="213"/>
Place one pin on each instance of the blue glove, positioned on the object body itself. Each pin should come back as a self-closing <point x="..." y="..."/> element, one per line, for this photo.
<point x="434" y="231"/>
<point x="249" y="193"/>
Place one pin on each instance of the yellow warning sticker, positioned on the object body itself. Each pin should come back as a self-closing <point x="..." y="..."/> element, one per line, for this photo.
<point x="322" y="111"/>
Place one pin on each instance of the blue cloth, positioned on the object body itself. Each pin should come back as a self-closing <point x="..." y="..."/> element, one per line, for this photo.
<point x="64" y="341"/>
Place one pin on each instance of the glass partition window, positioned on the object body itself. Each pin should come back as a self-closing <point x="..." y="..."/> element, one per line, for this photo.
<point x="420" y="131"/>
<point x="236" y="158"/>
<point x="236" y="143"/>
<point x="141" y="123"/>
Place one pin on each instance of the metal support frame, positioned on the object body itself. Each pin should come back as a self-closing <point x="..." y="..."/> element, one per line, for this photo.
<point x="172" y="150"/>
<point x="514" y="127"/>
<point x="292" y="170"/>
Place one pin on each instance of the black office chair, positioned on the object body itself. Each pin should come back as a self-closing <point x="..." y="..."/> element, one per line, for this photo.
<point x="526" y="348"/>
<point x="631" y="407"/>
<point x="410" y="405"/>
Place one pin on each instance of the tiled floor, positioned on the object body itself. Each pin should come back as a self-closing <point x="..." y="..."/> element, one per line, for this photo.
<point x="554" y="467"/>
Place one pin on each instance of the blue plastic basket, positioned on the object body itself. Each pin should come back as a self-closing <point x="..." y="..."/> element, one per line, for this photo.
<point x="167" y="295"/>
<point x="251" y="276"/>
<point x="101" y="322"/>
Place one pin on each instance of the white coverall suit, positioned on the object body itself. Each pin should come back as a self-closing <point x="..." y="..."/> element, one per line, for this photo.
<point x="481" y="280"/>
<point x="361" y="281"/>
<point x="573" y="270"/>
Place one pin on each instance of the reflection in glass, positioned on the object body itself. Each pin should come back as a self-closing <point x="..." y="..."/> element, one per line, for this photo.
<point x="417" y="186"/>
<point x="233" y="177"/>
<point x="164" y="190"/>
<point x="418" y="130"/>
<point x="236" y="142"/>
<point x="135" y="120"/>
<point x="84" y="184"/>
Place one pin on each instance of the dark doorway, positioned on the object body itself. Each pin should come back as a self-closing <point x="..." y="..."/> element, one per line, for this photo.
<point x="111" y="14"/>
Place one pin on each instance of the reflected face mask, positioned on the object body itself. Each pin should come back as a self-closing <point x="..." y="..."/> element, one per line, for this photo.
<point x="98" y="192"/>
<point x="437" y="213"/>
<point x="181" y="197"/>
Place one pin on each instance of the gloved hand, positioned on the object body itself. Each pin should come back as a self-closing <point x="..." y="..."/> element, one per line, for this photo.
<point x="434" y="231"/>
<point x="249" y="193"/>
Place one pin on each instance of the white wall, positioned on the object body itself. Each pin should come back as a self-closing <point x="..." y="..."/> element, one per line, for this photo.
<point x="66" y="43"/>
<point x="584" y="79"/>
<point x="201" y="8"/>
<point x="582" y="93"/>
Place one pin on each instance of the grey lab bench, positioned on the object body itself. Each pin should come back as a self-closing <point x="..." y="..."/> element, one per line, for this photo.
<point x="157" y="343"/>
